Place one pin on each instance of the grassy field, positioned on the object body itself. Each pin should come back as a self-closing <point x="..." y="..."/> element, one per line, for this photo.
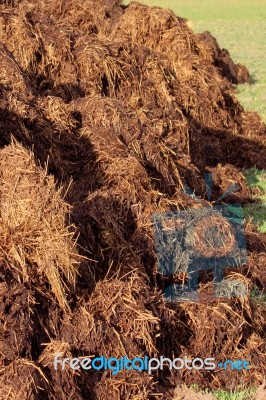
<point x="257" y="179"/>
<point x="240" y="27"/>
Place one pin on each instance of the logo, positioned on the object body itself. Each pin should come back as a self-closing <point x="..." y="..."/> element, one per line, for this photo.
<point x="201" y="239"/>
<point x="144" y="364"/>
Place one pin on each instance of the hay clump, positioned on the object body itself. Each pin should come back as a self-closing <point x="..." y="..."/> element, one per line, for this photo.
<point x="17" y="34"/>
<point x="62" y="384"/>
<point x="226" y="330"/>
<point x="235" y="73"/>
<point x="14" y="83"/>
<point x="22" y="379"/>
<point x="35" y="244"/>
<point x="82" y="17"/>
<point x="56" y="69"/>
<point x="128" y="386"/>
<point x="114" y="320"/>
<point x="55" y="110"/>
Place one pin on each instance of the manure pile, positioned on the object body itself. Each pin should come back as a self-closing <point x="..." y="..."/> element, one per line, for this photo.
<point x="106" y="113"/>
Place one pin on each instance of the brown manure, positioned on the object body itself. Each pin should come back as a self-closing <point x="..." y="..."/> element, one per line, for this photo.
<point x="110" y="116"/>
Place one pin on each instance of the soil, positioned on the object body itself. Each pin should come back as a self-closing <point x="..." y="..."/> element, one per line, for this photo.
<point x="235" y="73"/>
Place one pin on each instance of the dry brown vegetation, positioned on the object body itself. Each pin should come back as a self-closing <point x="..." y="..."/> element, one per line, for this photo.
<point x="106" y="112"/>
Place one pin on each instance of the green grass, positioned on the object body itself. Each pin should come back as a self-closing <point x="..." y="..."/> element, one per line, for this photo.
<point x="242" y="395"/>
<point x="239" y="394"/>
<point x="257" y="179"/>
<point x="240" y="27"/>
<point x="258" y="295"/>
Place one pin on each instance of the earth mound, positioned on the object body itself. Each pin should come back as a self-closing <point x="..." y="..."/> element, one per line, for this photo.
<point x="107" y="114"/>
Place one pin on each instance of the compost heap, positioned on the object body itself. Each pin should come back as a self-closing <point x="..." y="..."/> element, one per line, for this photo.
<point x="106" y="113"/>
<point x="235" y="73"/>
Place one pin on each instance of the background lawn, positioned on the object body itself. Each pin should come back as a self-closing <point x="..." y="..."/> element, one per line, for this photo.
<point x="240" y="27"/>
